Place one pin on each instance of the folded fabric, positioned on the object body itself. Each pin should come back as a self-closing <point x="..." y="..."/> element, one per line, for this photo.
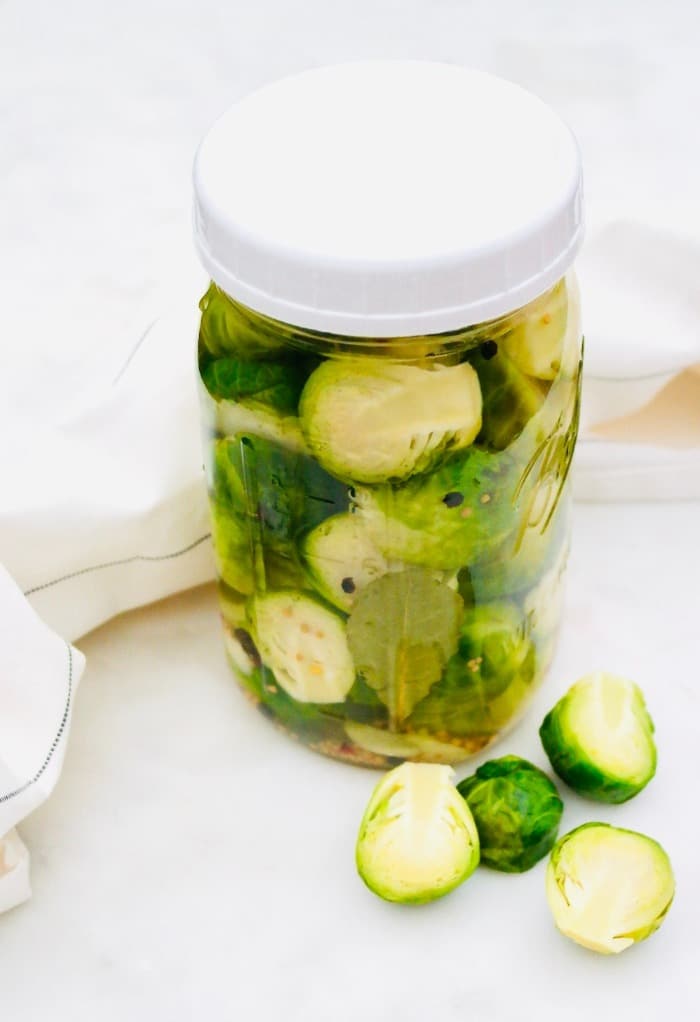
<point x="39" y="675"/>
<point x="14" y="871"/>
<point x="104" y="506"/>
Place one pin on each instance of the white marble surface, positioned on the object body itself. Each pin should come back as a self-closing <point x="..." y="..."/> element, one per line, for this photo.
<point x="194" y="864"/>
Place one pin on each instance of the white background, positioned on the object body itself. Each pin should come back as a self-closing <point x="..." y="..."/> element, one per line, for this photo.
<point x="192" y="864"/>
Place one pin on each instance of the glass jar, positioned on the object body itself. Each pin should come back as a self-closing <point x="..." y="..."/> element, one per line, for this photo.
<point x="390" y="509"/>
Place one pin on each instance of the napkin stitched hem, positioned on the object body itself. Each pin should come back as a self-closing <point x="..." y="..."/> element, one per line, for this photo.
<point x="57" y="739"/>
<point x="113" y="564"/>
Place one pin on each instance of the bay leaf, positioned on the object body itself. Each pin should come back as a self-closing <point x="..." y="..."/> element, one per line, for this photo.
<point x="402" y="631"/>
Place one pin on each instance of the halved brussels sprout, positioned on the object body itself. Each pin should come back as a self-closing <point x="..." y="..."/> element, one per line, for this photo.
<point x="485" y="680"/>
<point x="510" y="397"/>
<point x="462" y="512"/>
<point x="342" y="558"/>
<point x="419" y="748"/>
<point x="417" y="839"/>
<point x="304" y="644"/>
<point x="372" y="421"/>
<point x="232" y="418"/>
<point x="517" y="812"/>
<point x="536" y="342"/>
<point x="600" y="738"/>
<point x="228" y="328"/>
<point x="608" y="888"/>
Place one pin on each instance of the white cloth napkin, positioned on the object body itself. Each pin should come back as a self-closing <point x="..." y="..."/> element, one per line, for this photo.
<point x="640" y="419"/>
<point x="104" y="507"/>
<point x="39" y="674"/>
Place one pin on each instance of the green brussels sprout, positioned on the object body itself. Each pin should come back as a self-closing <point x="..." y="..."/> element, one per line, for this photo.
<point x="461" y="513"/>
<point x="304" y="644"/>
<point x="232" y="553"/>
<point x="341" y="558"/>
<point x="417" y="839"/>
<point x="608" y="888"/>
<point x="270" y="384"/>
<point x="395" y="745"/>
<point x="286" y="492"/>
<point x="485" y="680"/>
<point x="367" y="420"/>
<point x="536" y="343"/>
<point x="510" y="397"/>
<point x="517" y="812"/>
<point x="228" y="328"/>
<point x="262" y="498"/>
<point x="600" y="738"/>
<point x="530" y="552"/>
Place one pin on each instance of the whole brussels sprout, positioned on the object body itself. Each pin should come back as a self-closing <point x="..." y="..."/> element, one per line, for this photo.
<point x="460" y="513"/>
<point x="517" y="812"/>
<point x="417" y="839"/>
<point x="485" y="680"/>
<point x="371" y="421"/>
<point x="599" y="738"/>
<point x="608" y="888"/>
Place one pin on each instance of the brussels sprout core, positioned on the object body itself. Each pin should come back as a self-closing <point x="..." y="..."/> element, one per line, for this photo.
<point x="608" y="888"/>
<point x="599" y="738"/>
<point x="417" y="839"/>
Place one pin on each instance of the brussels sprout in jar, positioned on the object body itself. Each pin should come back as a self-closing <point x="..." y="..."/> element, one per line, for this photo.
<point x="391" y="532"/>
<point x="389" y="368"/>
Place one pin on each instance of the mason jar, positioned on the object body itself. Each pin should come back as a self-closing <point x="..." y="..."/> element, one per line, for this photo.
<point x="390" y="366"/>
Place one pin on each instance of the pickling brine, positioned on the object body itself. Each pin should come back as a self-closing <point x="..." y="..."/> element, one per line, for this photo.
<point x="391" y="521"/>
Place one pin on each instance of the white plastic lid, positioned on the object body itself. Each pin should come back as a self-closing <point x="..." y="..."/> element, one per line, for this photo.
<point x="388" y="198"/>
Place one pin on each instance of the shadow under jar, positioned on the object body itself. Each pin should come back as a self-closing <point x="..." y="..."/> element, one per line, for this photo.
<point x="390" y="408"/>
